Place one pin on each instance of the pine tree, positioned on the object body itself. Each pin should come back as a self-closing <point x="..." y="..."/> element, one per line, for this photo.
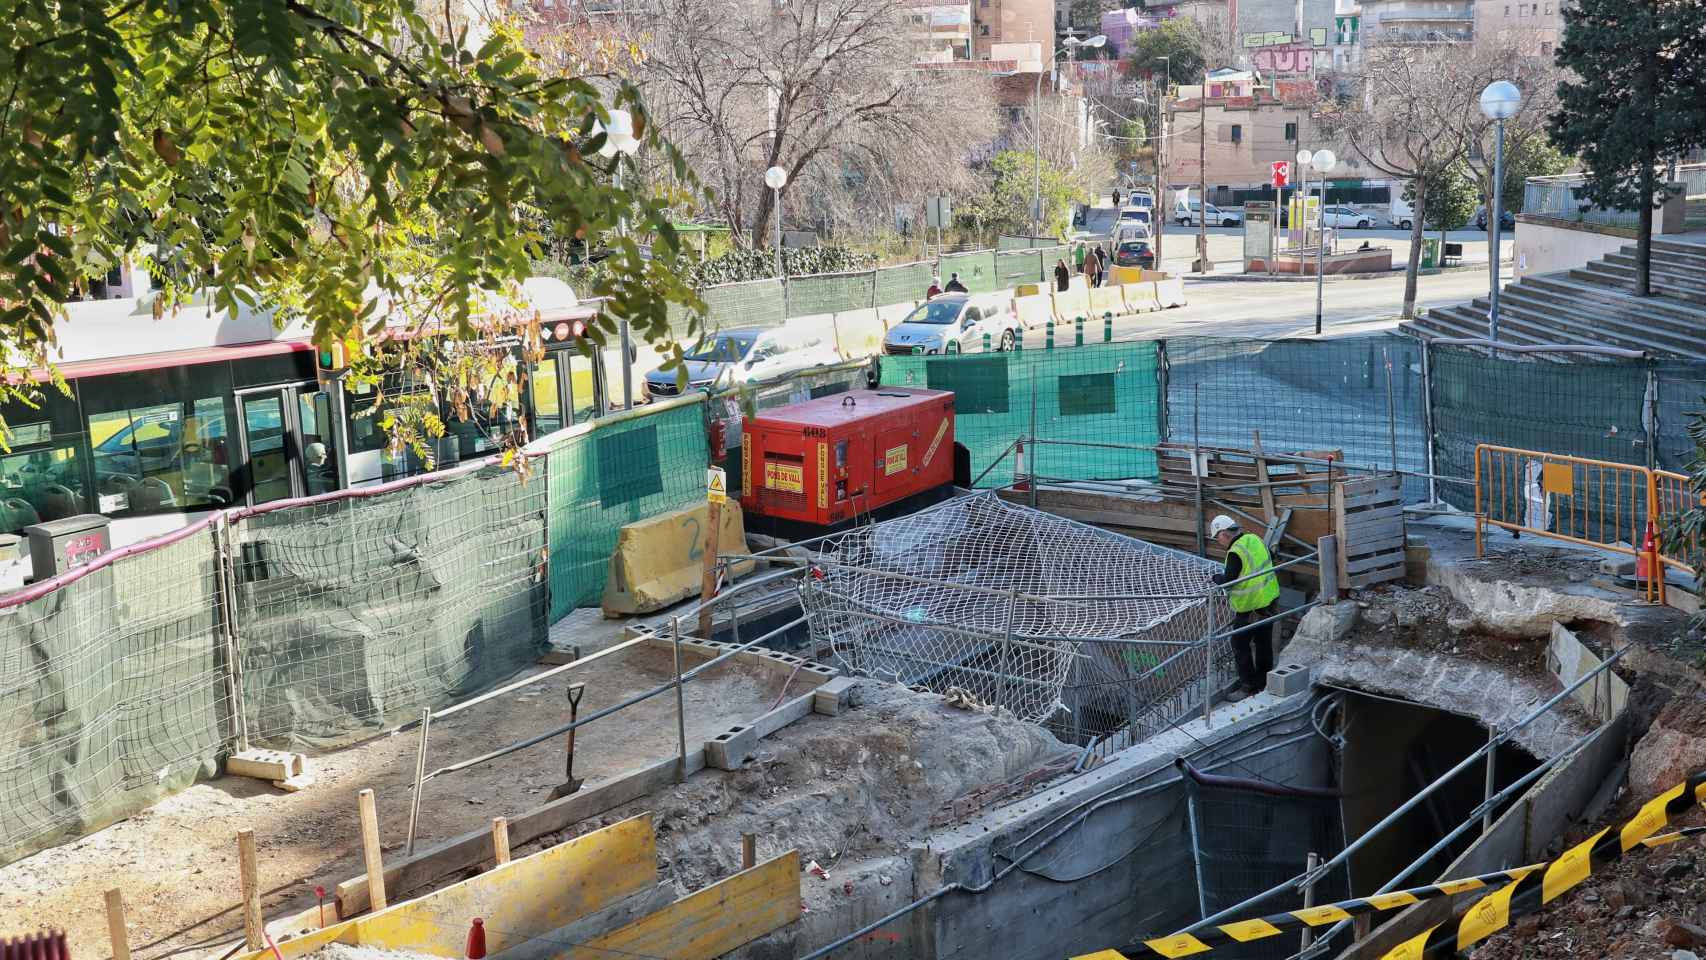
<point x="1635" y="100"/>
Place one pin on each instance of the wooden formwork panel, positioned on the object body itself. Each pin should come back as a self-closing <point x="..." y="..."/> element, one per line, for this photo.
<point x="1368" y="517"/>
<point x="711" y="922"/>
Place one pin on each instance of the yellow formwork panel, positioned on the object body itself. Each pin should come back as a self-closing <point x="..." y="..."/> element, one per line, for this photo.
<point x="520" y="900"/>
<point x="711" y="922"/>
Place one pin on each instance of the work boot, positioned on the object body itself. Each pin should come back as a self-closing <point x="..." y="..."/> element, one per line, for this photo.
<point x="1237" y="695"/>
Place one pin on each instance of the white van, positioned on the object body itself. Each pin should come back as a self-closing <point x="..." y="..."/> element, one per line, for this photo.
<point x="1402" y="215"/>
<point x="1188" y="216"/>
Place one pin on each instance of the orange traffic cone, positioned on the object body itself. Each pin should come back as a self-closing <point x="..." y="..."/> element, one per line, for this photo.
<point x="477" y="940"/>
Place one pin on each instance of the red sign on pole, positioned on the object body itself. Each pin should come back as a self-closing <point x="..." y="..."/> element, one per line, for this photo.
<point x="1281" y="171"/>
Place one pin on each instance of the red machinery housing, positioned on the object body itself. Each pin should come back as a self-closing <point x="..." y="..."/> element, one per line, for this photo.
<point x="826" y="461"/>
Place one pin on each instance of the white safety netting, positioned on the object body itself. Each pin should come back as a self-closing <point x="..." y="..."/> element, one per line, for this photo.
<point x="1060" y="622"/>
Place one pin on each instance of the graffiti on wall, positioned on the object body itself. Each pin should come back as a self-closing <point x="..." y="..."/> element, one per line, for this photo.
<point x="1274" y="38"/>
<point x="1293" y="58"/>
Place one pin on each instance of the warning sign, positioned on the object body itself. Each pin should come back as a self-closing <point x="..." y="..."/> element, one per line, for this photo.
<point x="716" y="485"/>
<point x="894" y="461"/>
<point x="787" y="477"/>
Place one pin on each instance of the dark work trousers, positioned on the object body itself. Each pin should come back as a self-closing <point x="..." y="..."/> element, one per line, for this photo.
<point x="1253" y="647"/>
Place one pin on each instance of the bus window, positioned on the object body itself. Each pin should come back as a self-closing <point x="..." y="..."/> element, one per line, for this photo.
<point x="160" y="440"/>
<point x="41" y="477"/>
<point x="547" y="401"/>
<point x="319" y="442"/>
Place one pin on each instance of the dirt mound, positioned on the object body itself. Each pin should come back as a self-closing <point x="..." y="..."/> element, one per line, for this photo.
<point x="864" y="784"/>
<point x="1672" y="749"/>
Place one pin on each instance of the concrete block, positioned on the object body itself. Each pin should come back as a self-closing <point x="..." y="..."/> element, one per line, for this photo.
<point x="834" y="696"/>
<point x="1289" y="678"/>
<point x="729" y="749"/>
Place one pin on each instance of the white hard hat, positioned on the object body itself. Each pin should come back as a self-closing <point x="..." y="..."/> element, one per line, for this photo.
<point x="1222" y="524"/>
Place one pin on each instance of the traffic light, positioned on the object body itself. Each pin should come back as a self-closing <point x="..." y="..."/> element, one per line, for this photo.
<point x="331" y="360"/>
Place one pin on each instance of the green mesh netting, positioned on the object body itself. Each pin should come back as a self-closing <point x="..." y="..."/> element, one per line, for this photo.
<point x="1682" y="395"/>
<point x="617" y="470"/>
<point x="976" y="270"/>
<point x="755" y="303"/>
<point x="906" y="282"/>
<point x="112" y="694"/>
<point x="830" y="293"/>
<point x="357" y="612"/>
<point x="1014" y="267"/>
<point x="1103" y="393"/>
<point x="1302" y="395"/>
<point x="1582" y="409"/>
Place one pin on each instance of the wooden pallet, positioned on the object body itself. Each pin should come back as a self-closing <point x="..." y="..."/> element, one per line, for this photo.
<point x="1368" y="517"/>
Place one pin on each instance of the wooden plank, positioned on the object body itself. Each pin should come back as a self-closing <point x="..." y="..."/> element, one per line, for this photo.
<point x="500" y="840"/>
<point x="1378" y="576"/>
<point x="1263" y="477"/>
<point x="1366" y="548"/>
<point x="248" y="884"/>
<point x="716" y="920"/>
<point x="116" y="933"/>
<point x="518" y="901"/>
<point x="1362" y="498"/>
<point x="1356" y="565"/>
<point x="1367" y="531"/>
<point x="370" y="851"/>
<point x="461" y="852"/>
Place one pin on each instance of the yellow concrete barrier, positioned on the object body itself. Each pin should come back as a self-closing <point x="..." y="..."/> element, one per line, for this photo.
<point x="659" y="560"/>
<point x="1071" y="304"/>
<point x="1124" y="275"/>
<point x="858" y="333"/>
<point x="1034" y="311"/>
<point x="1139" y="297"/>
<point x="893" y="313"/>
<point x="1105" y="300"/>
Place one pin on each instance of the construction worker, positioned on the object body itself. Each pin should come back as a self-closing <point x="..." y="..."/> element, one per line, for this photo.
<point x="1254" y="597"/>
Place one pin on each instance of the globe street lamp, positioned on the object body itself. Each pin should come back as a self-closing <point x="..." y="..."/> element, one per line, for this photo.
<point x="1322" y="161"/>
<point x="1499" y="102"/>
<point x="776" y="178"/>
<point x="1070" y="43"/>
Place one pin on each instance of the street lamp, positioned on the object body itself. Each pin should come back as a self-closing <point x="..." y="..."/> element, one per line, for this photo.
<point x="1322" y="161"/>
<point x="1070" y="43"/>
<point x="776" y="178"/>
<point x="1499" y="102"/>
<point x="619" y="140"/>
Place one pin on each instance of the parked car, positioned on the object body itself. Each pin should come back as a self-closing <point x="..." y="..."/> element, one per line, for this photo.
<point x="1131" y="230"/>
<point x="951" y="323"/>
<point x="1341" y="216"/>
<point x="1507" y="220"/>
<point x="1134" y="214"/>
<point x="746" y="354"/>
<point x="1135" y="253"/>
<point x="1191" y="215"/>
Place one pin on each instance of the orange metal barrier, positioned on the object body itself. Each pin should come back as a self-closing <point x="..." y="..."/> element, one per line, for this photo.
<point x="1673" y="494"/>
<point x="1575" y="499"/>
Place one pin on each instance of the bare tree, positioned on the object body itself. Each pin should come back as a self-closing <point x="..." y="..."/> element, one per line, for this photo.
<point x="1500" y="58"/>
<point x="828" y="90"/>
<point x="1405" y="119"/>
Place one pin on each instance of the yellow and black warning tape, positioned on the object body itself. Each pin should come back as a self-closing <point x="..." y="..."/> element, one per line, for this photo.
<point x="1488" y="916"/>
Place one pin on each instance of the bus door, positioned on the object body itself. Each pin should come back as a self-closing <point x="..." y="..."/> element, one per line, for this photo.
<point x="568" y="388"/>
<point x="287" y="441"/>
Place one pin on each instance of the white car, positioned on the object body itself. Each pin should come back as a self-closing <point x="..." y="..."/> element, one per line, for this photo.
<point x="1340" y="216"/>
<point x="1190" y="216"/>
<point x="749" y="354"/>
<point x="952" y="323"/>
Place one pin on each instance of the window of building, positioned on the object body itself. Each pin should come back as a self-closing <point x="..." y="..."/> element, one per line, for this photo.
<point x="1546" y="48"/>
<point x="1291" y="132"/>
<point x="1237" y="133"/>
<point x="161" y="440"/>
<point x="1507" y="9"/>
<point x="983" y="29"/>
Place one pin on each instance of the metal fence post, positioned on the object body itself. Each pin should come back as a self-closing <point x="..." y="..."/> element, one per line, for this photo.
<point x="1007" y="654"/>
<point x="1208" y="664"/>
<point x="1428" y="419"/>
<point x="1392" y="413"/>
<point x="1492" y="755"/>
<point x="680" y="704"/>
<point x="1313" y="861"/>
<point x="225" y="584"/>
<point x="1194" y="813"/>
<point x="1078" y="332"/>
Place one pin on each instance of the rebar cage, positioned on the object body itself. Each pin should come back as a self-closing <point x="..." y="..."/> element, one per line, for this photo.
<point x="1087" y="632"/>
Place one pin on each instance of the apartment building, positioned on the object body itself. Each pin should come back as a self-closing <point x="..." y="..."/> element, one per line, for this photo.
<point x="1012" y="21"/>
<point x="1533" y="27"/>
<point x="942" y="30"/>
<point x="1419" y="21"/>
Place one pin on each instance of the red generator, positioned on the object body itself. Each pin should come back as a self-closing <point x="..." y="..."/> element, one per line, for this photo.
<point x="825" y="463"/>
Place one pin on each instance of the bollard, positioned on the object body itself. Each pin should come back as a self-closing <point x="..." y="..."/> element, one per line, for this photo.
<point x="1078" y="332"/>
<point x="1107" y="328"/>
<point x="986" y="343"/>
<point x="1048" y="336"/>
<point x="1019" y="339"/>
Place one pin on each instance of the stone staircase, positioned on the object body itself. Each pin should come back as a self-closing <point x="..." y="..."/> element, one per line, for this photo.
<point x="1596" y="304"/>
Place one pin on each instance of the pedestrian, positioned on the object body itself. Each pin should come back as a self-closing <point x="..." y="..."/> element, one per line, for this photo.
<point x="954" y="284"/>
<point x="1062" y="276"/>
<point x="934" y="290"/>
<point x="1116" y="198"/>
<point x="1101" y="266"/>
<point x="1078" y="257"/>
<point x="1253" y="594"/>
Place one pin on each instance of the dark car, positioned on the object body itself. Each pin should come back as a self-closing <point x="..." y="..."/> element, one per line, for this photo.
<point x="1507" y="220"/>
<point x="1135" y="253"/>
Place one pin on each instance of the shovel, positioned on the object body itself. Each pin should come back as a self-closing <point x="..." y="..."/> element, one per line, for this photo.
<point x="572" y="783"/>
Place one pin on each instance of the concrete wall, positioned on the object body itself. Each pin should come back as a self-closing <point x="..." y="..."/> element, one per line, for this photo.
<point x="1128" y="867"/>
<point x="1548" y="246"/>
